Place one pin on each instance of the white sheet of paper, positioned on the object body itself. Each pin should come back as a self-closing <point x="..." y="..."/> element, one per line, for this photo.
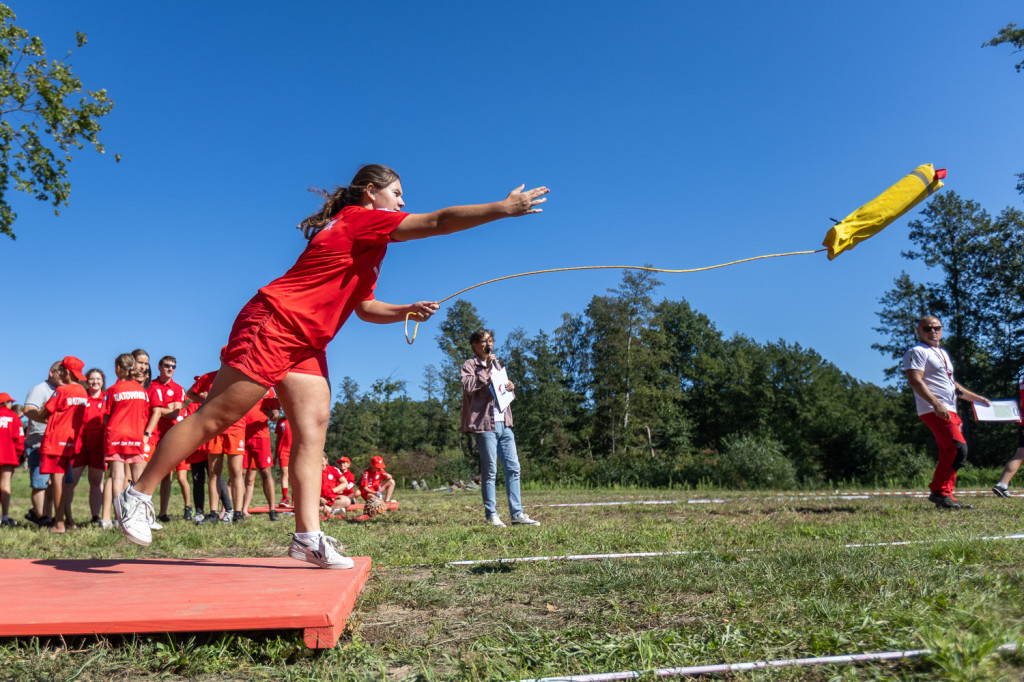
<point x="499" y="382"/>
<point x="998" y="411"/>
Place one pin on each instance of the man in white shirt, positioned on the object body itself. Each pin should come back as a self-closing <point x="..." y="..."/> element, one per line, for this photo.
<point x="929" y="372"/>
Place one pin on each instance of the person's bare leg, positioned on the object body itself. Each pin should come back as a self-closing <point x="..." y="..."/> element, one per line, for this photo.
<point x="165" y="494"/>
<point x="232" y="395"/>
<point x="306" y="399"/>
<point x="6" y="472"/>
<point x="268" y="487"/>
<point x="250" y="485"/>
<point x="57" y="483"/>
<point x="1012" y="466"/>
<point x="214" y="466"/>
<point x="236" y="479"/>
<point x="186" y="488"/>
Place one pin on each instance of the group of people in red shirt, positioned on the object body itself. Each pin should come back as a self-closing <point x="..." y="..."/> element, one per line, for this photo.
<point x="338" y="488"/>
<point x="116" y="429"/>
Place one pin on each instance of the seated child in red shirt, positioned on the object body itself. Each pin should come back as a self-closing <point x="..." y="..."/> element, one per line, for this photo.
<point x="376" y="481"/>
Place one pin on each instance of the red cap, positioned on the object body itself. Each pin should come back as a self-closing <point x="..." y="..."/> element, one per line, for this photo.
<point x="344" y="459"/>
<point x="74" y="365"/>
<point x="377" y="462"/>
<point x="4" y="397"/>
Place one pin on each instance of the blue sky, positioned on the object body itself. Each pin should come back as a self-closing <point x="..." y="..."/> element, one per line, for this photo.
<point x="679" y="134"/>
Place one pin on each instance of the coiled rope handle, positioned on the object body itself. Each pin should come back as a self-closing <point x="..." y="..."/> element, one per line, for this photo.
<point x="416" y="327"/>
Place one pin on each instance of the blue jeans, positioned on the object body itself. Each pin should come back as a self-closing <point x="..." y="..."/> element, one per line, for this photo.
<point x="499" y="443"/>
<point x="37" y="480"/>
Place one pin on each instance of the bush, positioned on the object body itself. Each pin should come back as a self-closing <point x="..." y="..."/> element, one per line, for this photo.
<point x="750" y="462"/>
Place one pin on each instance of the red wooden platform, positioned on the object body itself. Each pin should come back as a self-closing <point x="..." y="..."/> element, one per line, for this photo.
<point x="112" y="596"/>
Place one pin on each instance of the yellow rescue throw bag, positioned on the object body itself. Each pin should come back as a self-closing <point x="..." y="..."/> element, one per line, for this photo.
<point x="874" y="216"/>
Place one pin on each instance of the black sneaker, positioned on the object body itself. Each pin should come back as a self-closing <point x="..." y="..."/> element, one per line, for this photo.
<point x="1000" y="491"/>
<point x="188" y="513"/>
<point x="45" y="522"/>
<point x="96" y="519"/>
<point x="274" y="516"/>
<point x="31" y="516"/>
<point x="239" y="516"/>
<point x="163" y="518"/>
<point x="8" y="523"/>
<point x="944" y="501"/>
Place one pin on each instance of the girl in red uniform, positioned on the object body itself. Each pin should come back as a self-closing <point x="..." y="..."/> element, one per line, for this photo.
<point x="126" y="417"/>
<point x="64" y="414"/>
<point x="91" y="454"/>
<point x="280" y="336"/>
<point x="12" y="445"/>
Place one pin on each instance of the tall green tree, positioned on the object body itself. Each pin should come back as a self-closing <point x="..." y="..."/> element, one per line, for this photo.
<point x="41" y="124"/>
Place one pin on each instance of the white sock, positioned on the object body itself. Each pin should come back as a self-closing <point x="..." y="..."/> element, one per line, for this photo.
<point x="142" y="496"/>
<point x="1003" y="486"/>
<point x="310" y="538"/>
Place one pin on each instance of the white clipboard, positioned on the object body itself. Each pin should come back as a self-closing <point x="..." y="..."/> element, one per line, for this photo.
<point x="997" y="411"/>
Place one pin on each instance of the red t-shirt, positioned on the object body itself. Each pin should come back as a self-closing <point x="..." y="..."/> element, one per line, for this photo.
<point x="92" y="427"/>
<point x="331" y="479"/>
<point x="256" y="419"/>
<point x="203" y="384"/>
<point x="63" y="436"/>
<point x="162" y="395"/>
<point x="12" y="437"/>
<point x="370" y="482"/>
<point x="284" y="437"/>
<point x="127" y="416"/>
<point x="349" y="477"/>
<point x="337" y="271"/>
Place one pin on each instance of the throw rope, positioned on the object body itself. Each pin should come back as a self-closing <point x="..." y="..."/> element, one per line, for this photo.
<point x="416" y="327"/>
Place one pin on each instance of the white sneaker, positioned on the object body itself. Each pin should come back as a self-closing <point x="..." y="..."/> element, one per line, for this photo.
<point x="495" y="521"/>
<point x="107" y="525"/>
<point x="134" y="516"/>
<point x="156" y="525"/>
<point x="524" y="520"/>
<point x="327" y="554"/>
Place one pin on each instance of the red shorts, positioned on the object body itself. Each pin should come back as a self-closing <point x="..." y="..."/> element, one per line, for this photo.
<point x="55" y="464"/>
<point x="93" y="451"/>
<point x="123" y="457"/>
<point x="257" y="453"/>
<point x="283" y="456"/>
<point x="183" y="465"/>
<point x="230" y="444"/>
<point x="264" y="347"/>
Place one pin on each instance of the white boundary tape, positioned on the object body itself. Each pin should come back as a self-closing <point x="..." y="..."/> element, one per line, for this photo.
<point x="643" y="555"/>
<point x="853" y="495"/>
<point x="750" y="665"/>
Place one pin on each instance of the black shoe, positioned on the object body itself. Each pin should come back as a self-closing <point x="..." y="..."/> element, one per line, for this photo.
<point x="944" y="501"/>
<point x="163" y="518"/>
<point x="1001" y="491"/>
<point x="96" y="519"/>
<point x="44" y="522"/>
<point x="31" y="516"/>
<point x="274" y="516"/>
<point x="188" y="513"/>
<point x="9" y="523"/>
<point x="239" y="516"/>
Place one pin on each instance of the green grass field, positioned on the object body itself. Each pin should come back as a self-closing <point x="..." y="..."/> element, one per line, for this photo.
<point x="767" y="579"/>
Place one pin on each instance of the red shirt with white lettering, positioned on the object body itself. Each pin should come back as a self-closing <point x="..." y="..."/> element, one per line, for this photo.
<point x="127" y="416"/>
<point x="337" y="271"/>
<point x="63" y="437"/>
<point x="162" y="395"/>
<point x="12" y="437"/>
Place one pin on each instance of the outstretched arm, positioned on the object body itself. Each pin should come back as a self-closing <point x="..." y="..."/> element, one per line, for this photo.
<point x="380" y="312"/>
<point x="459" y="218"/>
